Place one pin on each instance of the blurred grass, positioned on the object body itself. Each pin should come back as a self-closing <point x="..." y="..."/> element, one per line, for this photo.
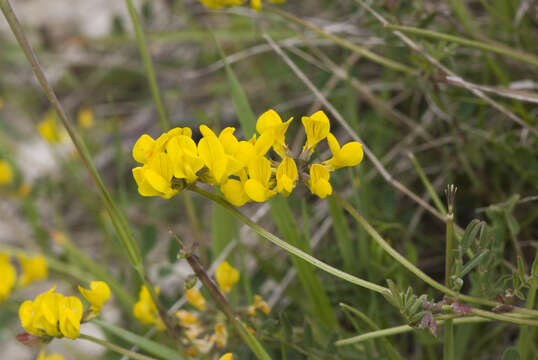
<point x="488" y="157"/>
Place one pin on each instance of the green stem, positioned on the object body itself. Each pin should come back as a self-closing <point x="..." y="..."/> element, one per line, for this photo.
<point x="148" y="65"/>
<point x="402" y="329"/>
<point x="448" y="344"/>
<point x="496" y="48"/>
<point x="525" y="333"/>
<point x="412" y="268"/>
<point x="289" y="248"/>
<point x="343" y="42"/>
<point x="115" y="348"/>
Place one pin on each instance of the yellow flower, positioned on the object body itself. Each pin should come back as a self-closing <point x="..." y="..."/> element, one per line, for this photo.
<point x="220" y="4"/>
<point x="52" y="314"/>
<point x="286" y="176"/>
<point x="317" y="128"/>
<point x="350" y="154"/>
<point x="187" y="318"/>
<point x="34" y="268"/>
<point x="220" y="337"/>
<point x="85" y="117"/>
<point x="9" y="277"/>
<point x="48" y="128"/>
<point x="194" y="296"/>
<point x="145" y="309"/>
<point x="220" y="164"/>
<point x="155" y="177"/>
<point x="49" y="357"/>
<point x="270" y="123"/>
<point x="227" y="356"/>
<point x="260" y="304"/>
<point x="258" y="186"/>
<point x="319" y="181"/>
<point x="184" y="159"/>
<point x="97" y="295"/>
<point x="226" y="276"/>
<point x="145" y="146"/>
<point x="70" y="314"/>
<point x="6" y="173"/>
<point x="234" y="191"/>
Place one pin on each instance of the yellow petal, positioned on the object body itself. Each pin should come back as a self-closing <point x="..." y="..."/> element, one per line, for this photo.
<point x="226" y="276"/>
<point x="319" y="181"/>
<point x="143" y="148"/>
<point x="227" y="356"/>
<point x="6" y="173"/>
<point x="286" y="175"/>
<point x="317" y="127"/>
<point x="234" y="192"/>
<point x="268" y="120"/>
<point x="194" y="296"/>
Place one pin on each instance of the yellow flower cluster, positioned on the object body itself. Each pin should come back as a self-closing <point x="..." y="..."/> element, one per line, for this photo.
<point x="221" y="4"/>
<point x="194" y="296"/>
<point x="33" y="269"/>
<point x="241" y="168"/>
<point x="145" y="309"/>
<point x="227" y="276"/>
<point x="55" y="315"/>
<point x="259" y="304"/>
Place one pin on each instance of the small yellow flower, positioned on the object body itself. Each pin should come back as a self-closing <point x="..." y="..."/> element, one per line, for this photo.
<point x="258" y="186"/>
<point x="319" y="181"/>
<point x="6" y="173"/>
<point x="34" y="268"/>
<point x="70" y="314"/>
<point x="145" y="309"/>
<point x="234" y="191"/>
<point x="48" y="128"/>
<point x="85" y="118"/>
<point x="155" y="177"/>
<point x="270" y="123"/>
<point x="286" y="176"/>
<point x="350" y="154"/>
<point x="220" y="4"/>
<point x="260" y="304"/>
<point x="184" y="159"/>
<point x="226" y="276"/>
<point x="317" y="127"/>
<point x="220" y="164"/>
<point x="220" y="337"/>
<point x="9" y="276"/>
<point x="187" y="318"/>
<point x="97" y="295"/>
<point x="194" y="296"/>
<point x="49" y="357"/>
<point x="227" y="356"/>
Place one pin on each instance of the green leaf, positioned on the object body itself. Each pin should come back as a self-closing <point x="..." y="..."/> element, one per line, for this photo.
<point x="470" y="234"/>
<point x="148" y="239"/>
<point x="476" y="260"/>
<point x="511" y="353"/>
<point x="152" y="347"/>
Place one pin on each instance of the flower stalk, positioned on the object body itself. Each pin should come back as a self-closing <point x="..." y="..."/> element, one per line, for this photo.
<point x="448" y="344"/>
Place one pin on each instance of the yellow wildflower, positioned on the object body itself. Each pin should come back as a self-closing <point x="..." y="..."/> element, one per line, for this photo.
<point x="155" y="177"/>
<point x="6" y="173"/>
<point x="220" y="4"/>
<point x="219" y="163"/>
<point x="145" y="309"/>
<point x="271" y="123"/>
<point x="220" y="337"/>
<point x="260" y="304"/>
<point x="145" y="146"/>
<point x="234" y="191"/>
<point x="194" y="296"/>
<point x="187" y="318"/>
<point x="286" y="176"/>
<point x="317" y="128"/>
<point x="227" y="356"/>
<point x="97" y="295"/>
<point x="9" y="276"/>
<point x="85" y="117"/>
<point x="226" y="276"/>
<point x="258" y="186"/>
<point x="48" y="128"/>
<point x="183" y="155"/>
<point x="350" y="154"/>
<point x="52" y="314"/>
<point x="34" y="268"/>
<point x="319" y="181"/>
<point x="49" y="357"/>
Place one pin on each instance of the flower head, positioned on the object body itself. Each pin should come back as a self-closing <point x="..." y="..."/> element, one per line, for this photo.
<point x="319" y="181"/>
<point x="226" y="276"/>
<point x="48" y="128"/>
<point x="6" y="173"/>
<point x="194" y="296"/>
<point x="33" y="268"/>
<point x="227" y="356"/>
<point x="350" y="154"/>
<point x="270" y="124"/>
<point x="220" y="336"/>
<point x="96" y="295"/>
<point x="286" y="176"/>
<point x="145" y="309"/>
<point x="155" y="177"/>
<point x="317" y="128"/>
<point x="69" y="316"/>
<point x="9" y="277"/>
<point x="259" y="304"/>
<point x="85" y="117"/>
